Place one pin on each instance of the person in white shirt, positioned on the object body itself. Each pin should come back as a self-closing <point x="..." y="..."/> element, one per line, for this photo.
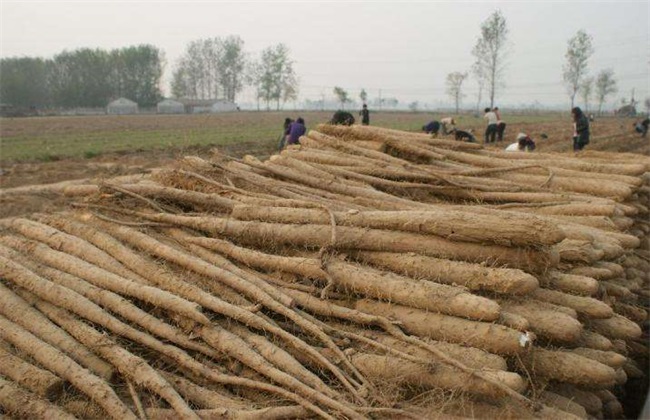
<point x="448" y="125"/>
<point x="523" y="144"/>
<point x="491" y="129"/>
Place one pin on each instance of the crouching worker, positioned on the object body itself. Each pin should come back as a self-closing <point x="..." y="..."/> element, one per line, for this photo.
<point x="462" y="135"/>
<point x="523" y="144"/>
<point x="642" y="127"/>
<point x="342" y="118"/>
<point x="296" y="129"/>
<point x="432" y="128"/>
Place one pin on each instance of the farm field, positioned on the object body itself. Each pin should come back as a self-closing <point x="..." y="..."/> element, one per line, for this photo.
<point x="31" y="146"/>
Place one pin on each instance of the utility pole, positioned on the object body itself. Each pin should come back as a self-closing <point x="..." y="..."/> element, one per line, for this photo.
<point x="380" y="101"/>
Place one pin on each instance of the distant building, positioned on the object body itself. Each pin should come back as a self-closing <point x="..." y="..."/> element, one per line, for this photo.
<point x="170" y="106"/>
<point x="122" y="106"/>
<point x="626" y="111"/>
<point x="207" y="106"/>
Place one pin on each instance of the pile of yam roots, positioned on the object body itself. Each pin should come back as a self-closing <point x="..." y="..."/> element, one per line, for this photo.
<point x="365" y="273"/>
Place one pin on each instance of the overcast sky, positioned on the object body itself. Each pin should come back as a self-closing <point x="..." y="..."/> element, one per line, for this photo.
<point x="404" y="49"/>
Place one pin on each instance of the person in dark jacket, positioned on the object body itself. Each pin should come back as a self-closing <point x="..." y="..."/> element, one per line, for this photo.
<point x="580" y="129"/>
<point x="342" y="118"/>
<point x="462" y="135"/>
<point x="296" y="129"/>
<point x="285" y="133"/>
<point x="433" y="127"/>
<point x="365" y="115"/>
<point x="642" y="127"/>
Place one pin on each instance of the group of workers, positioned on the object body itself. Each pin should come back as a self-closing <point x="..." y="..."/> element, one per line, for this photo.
<point x="494" y="131"/>
<point x="292" y="130"/>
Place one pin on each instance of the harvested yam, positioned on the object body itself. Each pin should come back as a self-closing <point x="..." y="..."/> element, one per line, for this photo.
<point x="590" y="307"/>
<point x="570" y="283"/>
<point x="203" y="397"/>
<point x="130" y="366"/>
<point x="318" y="236"/>
<point x="568" y="367"/>
<point x="608" y="358"/>
<point x="21" y="312"/>
<point x="515" y="321"/>
<point x="490" y="337"/>
<point x="597" y="273"/>
<point x="29" y="376"/>
<point x="469" y="356"/>
<point x="631" y="312"/>
<point x="586" y="399"/>
<point x="108" y="280"/>
<point x="578" y="251"/>
<point x="389" y="368"/>
<point x="472" y="276"/>
<point x="563" y="403"/>
<point x="616" y="326"/>
<point x="421" y="294"/>
<point x="552" y="325"/>
<point x="505" y="228"/>
<point x="268" y="413"/>
<point x="16" y="401"/>
<point x="52" y="359"/>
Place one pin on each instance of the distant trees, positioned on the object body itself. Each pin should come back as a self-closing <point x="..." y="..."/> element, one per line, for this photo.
<point x="490" y="52"/>
<point x="341" y="95"/>
<point x="605" y="86"/>
<point x="83" y="78"/>
<point x="579" y="50"/>
<point x="210" y="68"/>
<point x="273" y="76"/>
<point x="454" y="87"/>
<point x="24" y="82"/>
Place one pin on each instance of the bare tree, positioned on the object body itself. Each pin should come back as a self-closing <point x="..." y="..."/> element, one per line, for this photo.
<point x="363" y="95"/>
<point x="605" y="86"/>
<point x="274" y="77"/>
<point x="579" y="50"/>
<point x="454" y="87"/>
<point x="586" y="90"/>
<point x="342" y="96"/>
<point x="232" y="61"/>
<point x="490" y="52"/>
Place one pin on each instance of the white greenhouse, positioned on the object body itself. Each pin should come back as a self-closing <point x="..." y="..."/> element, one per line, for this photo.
<point x="170" y="106"/>
<point x="122" y="106"/>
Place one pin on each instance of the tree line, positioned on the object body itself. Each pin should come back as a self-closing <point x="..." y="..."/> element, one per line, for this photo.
<point x="214" y="68"/>
<point x="83" y="78"/>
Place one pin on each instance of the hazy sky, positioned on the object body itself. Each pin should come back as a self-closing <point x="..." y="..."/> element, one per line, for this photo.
<point x="406" y="49"/>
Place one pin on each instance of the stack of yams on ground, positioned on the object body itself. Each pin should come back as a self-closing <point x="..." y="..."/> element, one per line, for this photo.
<point x="368" y="273"/>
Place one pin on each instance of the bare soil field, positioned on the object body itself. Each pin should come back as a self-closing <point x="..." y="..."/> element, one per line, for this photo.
<point x="46" y="150"/>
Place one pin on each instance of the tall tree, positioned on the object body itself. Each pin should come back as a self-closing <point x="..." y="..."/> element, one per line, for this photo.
<point x="605" y="86"/>
<point x="23" y="82"/>
<point x="197" y="74"/>
<point x="454" y="87"/>
<point x="586" y="90"/>
<point x="363" y="95"/>
<point x="82" y="78"/>
<point x="232" y="63"/>
<point x="490" y="52"/>
<point x="341" y="95"/>
<point x="274" y="77"/>
<point x="136" y="74"/>
<point x="579" y="49"/>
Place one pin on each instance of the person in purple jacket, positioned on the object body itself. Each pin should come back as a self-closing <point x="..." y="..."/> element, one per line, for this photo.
<point x="296" y="129"/>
